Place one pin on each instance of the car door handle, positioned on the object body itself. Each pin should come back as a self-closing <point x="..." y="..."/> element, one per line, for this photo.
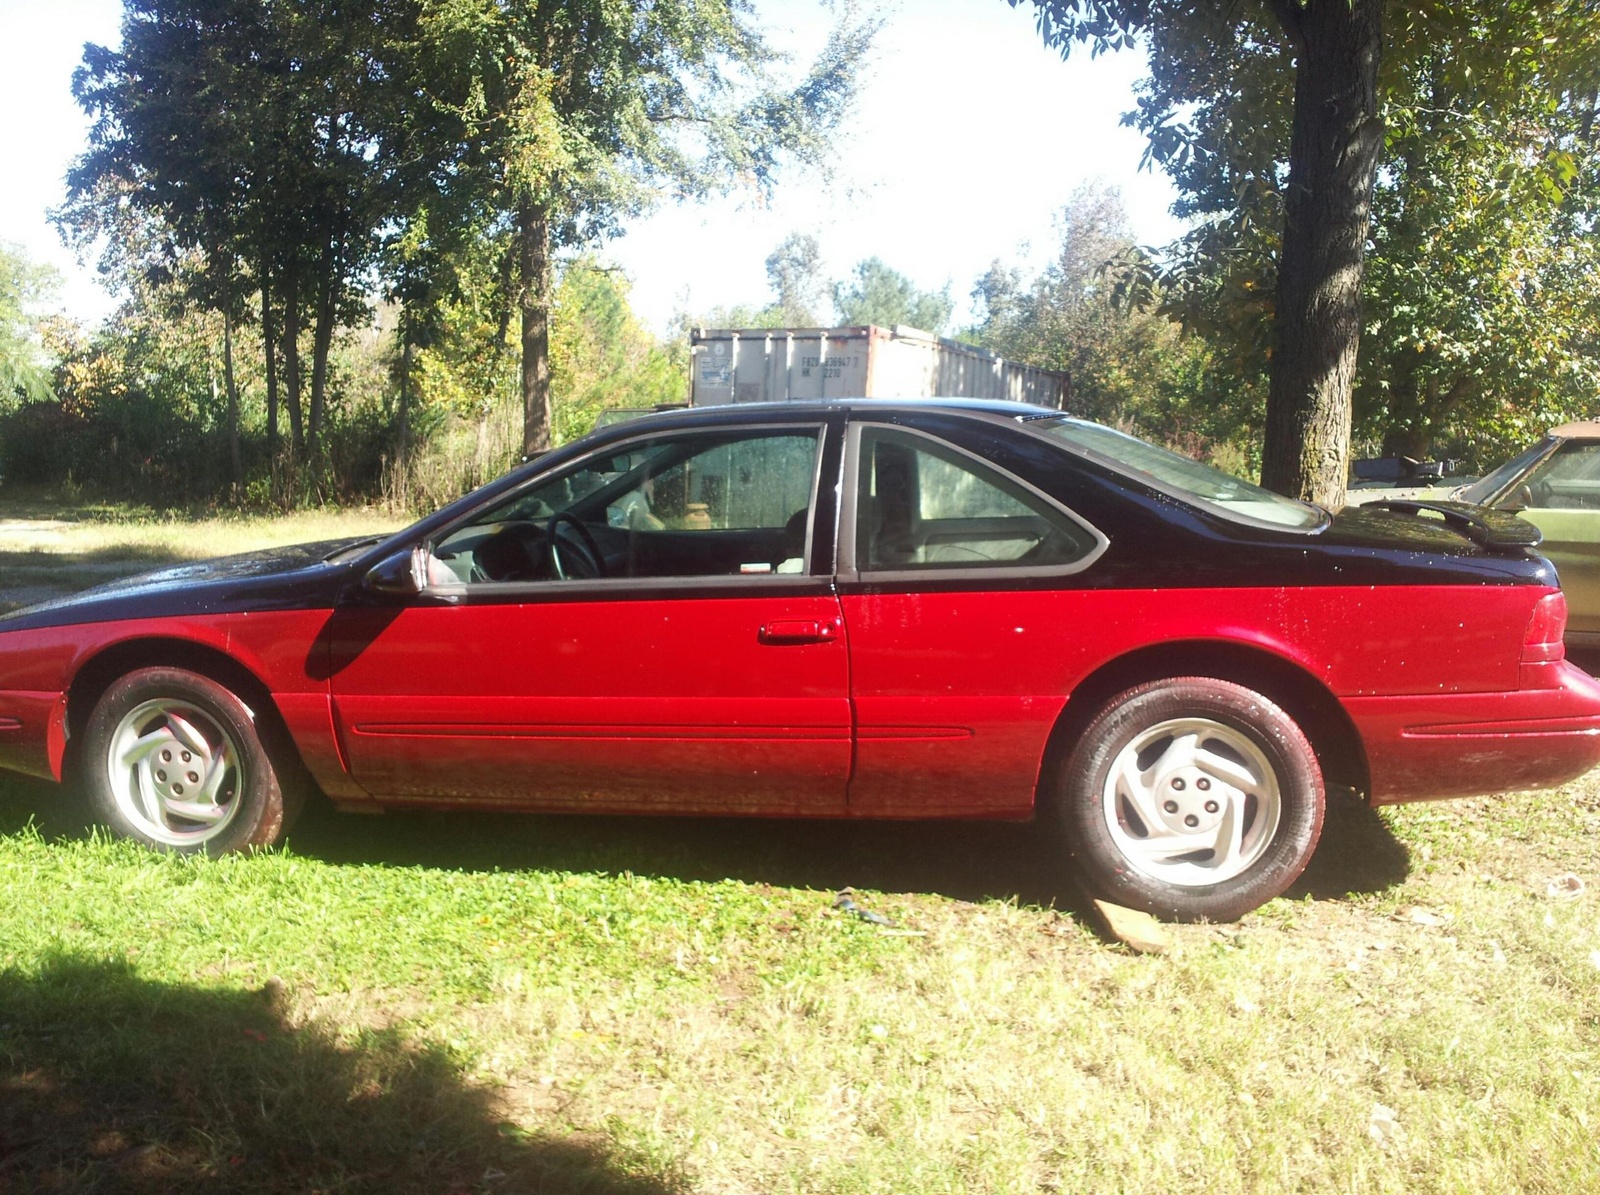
<point x="807" y="630"/>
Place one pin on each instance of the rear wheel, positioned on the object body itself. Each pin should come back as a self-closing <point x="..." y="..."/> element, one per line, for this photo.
<point x="1191" y="798"/>
<point x="174" y="760"/>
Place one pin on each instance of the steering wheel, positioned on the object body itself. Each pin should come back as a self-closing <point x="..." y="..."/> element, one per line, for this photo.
<point x="586" y="562"/>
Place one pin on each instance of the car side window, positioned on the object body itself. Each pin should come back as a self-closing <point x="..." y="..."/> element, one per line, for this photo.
<point x="1569" y="479"/>
<point x="685" y="505"/>
<point x="923" y="505"/>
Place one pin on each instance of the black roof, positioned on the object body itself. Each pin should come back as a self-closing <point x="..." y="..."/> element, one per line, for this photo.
<point x="810" y="407"/>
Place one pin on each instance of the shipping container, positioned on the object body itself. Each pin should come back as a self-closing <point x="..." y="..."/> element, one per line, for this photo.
<point x="772" y="364"/>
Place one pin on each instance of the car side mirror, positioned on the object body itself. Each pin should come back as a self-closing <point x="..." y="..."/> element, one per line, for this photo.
<point x="402" y="574"/>
<point x="1519" y="499"/>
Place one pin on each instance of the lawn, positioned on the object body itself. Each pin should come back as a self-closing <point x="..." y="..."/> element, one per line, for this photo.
<point x="437" y="1003"/>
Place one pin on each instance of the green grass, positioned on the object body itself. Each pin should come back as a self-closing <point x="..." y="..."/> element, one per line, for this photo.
<point x="417" y="1001"/>
<point x="444" y="1003"/>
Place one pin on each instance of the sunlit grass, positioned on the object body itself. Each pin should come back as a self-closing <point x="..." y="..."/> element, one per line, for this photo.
<point x="682" y="997"/>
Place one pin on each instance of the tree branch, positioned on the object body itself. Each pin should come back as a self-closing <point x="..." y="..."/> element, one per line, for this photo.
<point x="1291" y="16"/>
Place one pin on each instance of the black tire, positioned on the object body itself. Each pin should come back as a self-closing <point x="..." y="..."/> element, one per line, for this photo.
<point x="1252" y="735"/>
<point x="162" y="710"/>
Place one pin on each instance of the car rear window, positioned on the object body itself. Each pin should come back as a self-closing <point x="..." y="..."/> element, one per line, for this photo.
<point x="1186" y="478"/>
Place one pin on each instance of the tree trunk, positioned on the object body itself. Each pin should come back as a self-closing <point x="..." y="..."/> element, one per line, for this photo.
<point x="533" y="230"/>
<point x="402" y="421"/>
<point x="233" y="394"/>
<point x="269" y="348"/>
<point x="321" y="343"/>
<point x="1333" y="159"/>
<point x="291" y="361"/>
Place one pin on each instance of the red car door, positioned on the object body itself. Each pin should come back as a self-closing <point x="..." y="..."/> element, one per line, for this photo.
<point x="955" y="690"/>
<point x="691" y="658"/>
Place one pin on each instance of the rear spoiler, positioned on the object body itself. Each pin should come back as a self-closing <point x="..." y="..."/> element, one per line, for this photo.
<point x="1491" y="528"/>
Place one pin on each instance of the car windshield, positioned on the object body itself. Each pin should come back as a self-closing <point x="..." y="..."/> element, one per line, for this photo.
<point x="1185" y="477"/>
<point x="1488" y="486"/>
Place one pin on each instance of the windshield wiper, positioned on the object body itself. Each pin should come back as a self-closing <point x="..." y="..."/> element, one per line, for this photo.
<point x="355" y="547"/>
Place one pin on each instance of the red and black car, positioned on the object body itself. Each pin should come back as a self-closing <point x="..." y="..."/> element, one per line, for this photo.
<point x="940" y="609"/>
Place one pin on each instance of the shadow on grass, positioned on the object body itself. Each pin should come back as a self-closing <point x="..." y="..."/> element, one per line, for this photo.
<point x="1358" y="853"/>
<point x="27" y="578"/>
<point x="92" y="565"/>
<point x="970" y="861"/>
<point x="29" y="502"/>
<point x="54" y="809"/>
<point x="111" y="1082"/>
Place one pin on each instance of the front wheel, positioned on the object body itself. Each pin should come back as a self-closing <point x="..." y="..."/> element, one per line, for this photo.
<point x="1191" y="798"/>
<point x="173" y="760"/>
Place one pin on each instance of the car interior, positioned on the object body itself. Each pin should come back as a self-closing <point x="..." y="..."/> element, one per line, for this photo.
<point x="697" y="505"/>
<point x="684" y="506"/>
<point x="1568" y="480"/>
<point x="923" y="505"/>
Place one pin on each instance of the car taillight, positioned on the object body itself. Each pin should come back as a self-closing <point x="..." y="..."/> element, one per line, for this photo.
<point x="1542" y="644"/>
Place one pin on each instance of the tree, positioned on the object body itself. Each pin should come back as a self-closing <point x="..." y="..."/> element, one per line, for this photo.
<point x="601" y="355"/>
<point x="1483" y="316"/>
<point x="799" y="290"/>
<point x="254" y="133"/>
<point x="1067" y="317"/>
<point x="880" y="295"/>
<point x="802" y="296"/>
<point x="1272" y="109"/>
<point x="465" y="383"/>
<point x="23" y="286"/>
<point x="586" y="112"/>
<point x="1129" y="364"/>
<point x="138" y="406"/>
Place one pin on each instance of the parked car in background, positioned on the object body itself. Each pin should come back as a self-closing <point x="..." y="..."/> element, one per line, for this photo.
<point x="1555" y="485"/>
<point x="856" y="609"/>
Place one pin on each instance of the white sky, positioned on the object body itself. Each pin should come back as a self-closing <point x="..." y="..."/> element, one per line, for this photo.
<point x="968" y="139"/>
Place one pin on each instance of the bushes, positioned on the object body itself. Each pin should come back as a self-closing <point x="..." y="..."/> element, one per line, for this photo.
<point x="139" y="409"/>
